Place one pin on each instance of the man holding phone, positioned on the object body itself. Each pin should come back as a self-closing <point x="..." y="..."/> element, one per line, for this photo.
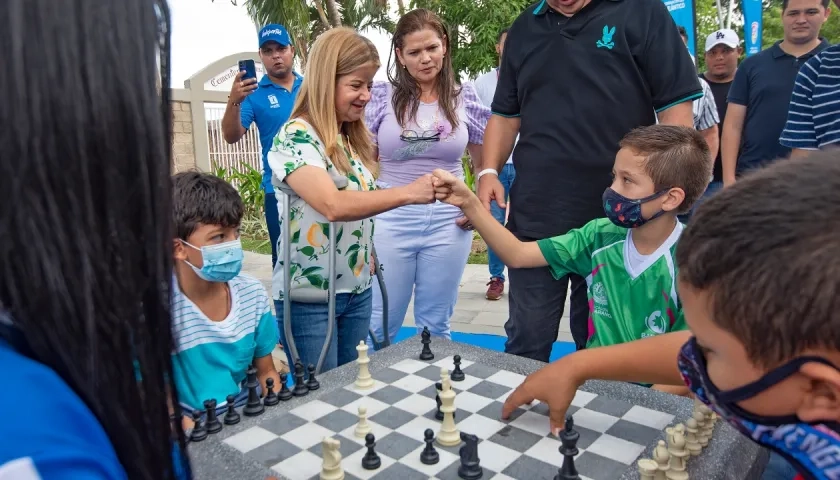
<point x="268" y="103"/>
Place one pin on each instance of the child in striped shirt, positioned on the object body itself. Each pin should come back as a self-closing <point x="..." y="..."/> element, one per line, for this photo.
<point x="222" y="320"/>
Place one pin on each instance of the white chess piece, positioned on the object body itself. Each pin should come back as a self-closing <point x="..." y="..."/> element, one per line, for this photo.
<point x="647" y="469"/>
<point x="691" y="443"/>
<point x="448" y="436"/>
<point x="662" y="459"/>
<point x="679" y="454"/>
<point x="363" y="380"/>
<point x="444" y="375"/>
<point x="331" y="467"/>
<point x="702" y="437"/>
<point x="363" y="427"/>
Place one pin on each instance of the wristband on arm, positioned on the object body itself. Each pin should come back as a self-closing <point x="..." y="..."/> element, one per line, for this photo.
<point x="486" y="171"/>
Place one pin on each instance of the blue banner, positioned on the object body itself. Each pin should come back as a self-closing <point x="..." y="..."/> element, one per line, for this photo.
<point x="682" y="11"/>
<point x="752" y="26"/>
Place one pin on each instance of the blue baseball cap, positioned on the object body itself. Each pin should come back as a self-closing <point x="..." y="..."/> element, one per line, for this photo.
<point x="274" y="33"/>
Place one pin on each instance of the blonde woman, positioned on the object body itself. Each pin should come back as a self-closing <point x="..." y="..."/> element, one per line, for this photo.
<point x="326" y="138"/>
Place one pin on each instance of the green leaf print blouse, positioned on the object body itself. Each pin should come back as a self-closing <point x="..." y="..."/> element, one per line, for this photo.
<point x="296" y="145"/>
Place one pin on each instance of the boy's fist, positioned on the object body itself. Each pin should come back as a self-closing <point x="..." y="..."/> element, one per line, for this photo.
<point x="450" y="189"/>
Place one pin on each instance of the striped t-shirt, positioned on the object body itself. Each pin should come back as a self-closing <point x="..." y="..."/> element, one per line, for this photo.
<point x="211" y="358"/>
<point x="814" y="114"/>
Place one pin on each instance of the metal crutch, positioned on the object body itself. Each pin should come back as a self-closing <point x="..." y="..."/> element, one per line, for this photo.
<point x="309" y="295"/>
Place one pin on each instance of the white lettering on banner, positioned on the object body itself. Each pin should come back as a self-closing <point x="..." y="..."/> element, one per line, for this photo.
<point x="224" y="80"/>
<point x="821" y="454"/>
<point x="675" y="5"/>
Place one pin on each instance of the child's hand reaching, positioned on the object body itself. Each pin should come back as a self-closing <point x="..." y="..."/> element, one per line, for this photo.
<point x="554" y="385"/>
<point x="451" y="190"/>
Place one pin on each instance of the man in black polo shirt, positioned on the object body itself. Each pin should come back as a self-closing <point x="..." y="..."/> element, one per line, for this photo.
<point x="577" y="75"/>
<point x="760" y="94"/>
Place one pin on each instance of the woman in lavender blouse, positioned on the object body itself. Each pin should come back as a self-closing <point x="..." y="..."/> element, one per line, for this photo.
<point x="422" y="119"/>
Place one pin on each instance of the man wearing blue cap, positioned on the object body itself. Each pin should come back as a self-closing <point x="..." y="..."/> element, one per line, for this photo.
<point x="268" y="104"/>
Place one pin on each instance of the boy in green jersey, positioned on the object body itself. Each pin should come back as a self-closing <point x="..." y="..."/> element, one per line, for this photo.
<point x="627" y="258"/>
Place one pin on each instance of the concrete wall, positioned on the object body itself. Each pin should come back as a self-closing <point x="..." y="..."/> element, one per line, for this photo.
<point x="183" y="143"/>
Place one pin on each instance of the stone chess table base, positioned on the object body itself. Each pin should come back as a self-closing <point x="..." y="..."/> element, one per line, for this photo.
<point x="618" y="424"/>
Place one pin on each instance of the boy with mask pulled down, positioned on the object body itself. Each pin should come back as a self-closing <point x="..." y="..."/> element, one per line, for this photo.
<point x="759" y="272"/>
<point x="627" y="257"/>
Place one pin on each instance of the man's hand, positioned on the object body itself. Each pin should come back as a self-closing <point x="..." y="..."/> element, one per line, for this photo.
<point x="554" y="385"/>
<point x="451" y="190"/>
<point x="241" y="88"/>
<point x="489" y="189"/>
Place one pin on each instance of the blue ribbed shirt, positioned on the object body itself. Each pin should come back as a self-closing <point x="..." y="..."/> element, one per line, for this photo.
<point x="813" y="120"/>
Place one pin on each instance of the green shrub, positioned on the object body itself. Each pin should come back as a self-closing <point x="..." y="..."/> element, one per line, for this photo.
<point x="248" y="182"/>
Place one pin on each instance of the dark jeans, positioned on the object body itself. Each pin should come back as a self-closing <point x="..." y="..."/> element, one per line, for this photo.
<point x="536" y="302"/>
<point x="272" y="220"/>
<point x="710" y="190"/>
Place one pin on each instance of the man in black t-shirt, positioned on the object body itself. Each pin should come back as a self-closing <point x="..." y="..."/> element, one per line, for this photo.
<point x="723" y="48"/>
<point x="576" y="77"/>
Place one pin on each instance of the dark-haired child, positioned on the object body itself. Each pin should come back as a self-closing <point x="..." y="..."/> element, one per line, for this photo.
<point x="628" y="257"/>
<point x="222" y="320"/>
<point x="759" y="272"/>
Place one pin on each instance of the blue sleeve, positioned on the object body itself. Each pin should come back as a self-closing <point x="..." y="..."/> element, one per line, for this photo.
<point x="739" y="91"/>
<point x="799" y="130"/>
<point x="267" y="335"/>
<point x="246" y="113"/>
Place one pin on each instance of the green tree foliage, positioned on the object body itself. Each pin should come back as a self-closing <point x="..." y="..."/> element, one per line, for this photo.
<point x="474" y="26"/>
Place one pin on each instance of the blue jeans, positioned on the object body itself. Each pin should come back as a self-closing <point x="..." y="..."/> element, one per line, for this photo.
<point x="272" y="220"/>
<point x="778" y="468"/>
<point x="309" y="329"/>
<point x="506" y="176"/>
<point x="422" y="251"/>
<point x="710" y="190"/>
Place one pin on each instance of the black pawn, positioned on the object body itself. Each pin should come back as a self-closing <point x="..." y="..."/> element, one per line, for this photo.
<point x="568" y="448"/>
<point x="371" y="460"/>
<point x="270" y="397"/>
<point x="213" y="424"/>
<point x="429" y="456"/>
<point x="457" y="374"/>
<point x="300" y="384"/>
<point x="231" y="417"/>
<point x="426" y="339"/>
<point x="199" y="433"/>
<point x="285" y="394"/>
<point x="254" y="406"/>
<point x="312" y="383"/>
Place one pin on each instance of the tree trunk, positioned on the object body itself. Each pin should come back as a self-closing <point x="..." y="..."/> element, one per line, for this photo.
<point x="322" y="15"/>
<point x="401" y="7"/>
<point x="332" y="10"/>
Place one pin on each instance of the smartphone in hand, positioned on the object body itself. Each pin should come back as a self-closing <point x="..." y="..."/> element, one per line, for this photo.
<point x="249" y="68"/>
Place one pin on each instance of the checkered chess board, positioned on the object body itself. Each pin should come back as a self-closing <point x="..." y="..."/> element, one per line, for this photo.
<point x="401" y="406"/>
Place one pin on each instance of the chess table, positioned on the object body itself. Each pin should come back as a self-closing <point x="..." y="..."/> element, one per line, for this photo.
<point x="619" y="423"/>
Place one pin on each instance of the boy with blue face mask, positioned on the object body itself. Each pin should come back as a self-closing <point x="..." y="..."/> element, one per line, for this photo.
<point x="222" y="320"/>
<point x="759" y="277"/>
<point x="627" y="257"/>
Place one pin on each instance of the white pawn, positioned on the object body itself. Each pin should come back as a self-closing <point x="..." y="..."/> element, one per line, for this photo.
<point x="331" y="467"/>
<point x="363" y="427"/>
<point x="662" y="459"/>
<point x="647" y="469"/>
<point x="363" y="380"/>
<point x="691" y="444"/>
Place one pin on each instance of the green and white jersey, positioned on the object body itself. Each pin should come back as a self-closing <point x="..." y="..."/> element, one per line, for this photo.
<point x="631" y="296"/>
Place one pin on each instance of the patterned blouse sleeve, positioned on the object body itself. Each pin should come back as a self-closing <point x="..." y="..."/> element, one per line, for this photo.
<point x="294" y="146"/>
<point x="477" y="114"/>
<point x="376" y="108"/>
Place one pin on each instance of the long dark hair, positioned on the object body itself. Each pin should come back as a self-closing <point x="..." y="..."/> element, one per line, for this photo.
<point x="406" y="96"/>
<point x="86" y="237"/>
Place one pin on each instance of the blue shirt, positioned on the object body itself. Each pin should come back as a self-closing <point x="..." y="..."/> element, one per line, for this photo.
<point x="764" y="84"/>
<point x="48" y="431"/>
<point x="211" y="357"/>
<point x="269" y="106"/>
<point x="814" y="116"/>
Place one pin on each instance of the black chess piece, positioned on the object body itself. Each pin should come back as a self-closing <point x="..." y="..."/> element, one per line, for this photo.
<point x="270" y="397"/>
<point x="199" y="433"/>
<point x="470" y="468"/>
<point x="254" y="406"/>
<point x="429" y="456"/>
<point x="457" y="374"/>
<point x="231" y="417"/>
<point x="312" y="383"/>
<point x="568" y="448"/>
<point x="438" y="413"/>
<point x="285" y="394"/>
<point x="212" y="425"/>
<point x="300" y="384"/>
<point x="426" y="339"/>
<point x="371" y="460"/>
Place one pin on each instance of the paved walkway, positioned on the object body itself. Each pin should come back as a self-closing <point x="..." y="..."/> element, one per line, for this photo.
<point x="473" y="312"/>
